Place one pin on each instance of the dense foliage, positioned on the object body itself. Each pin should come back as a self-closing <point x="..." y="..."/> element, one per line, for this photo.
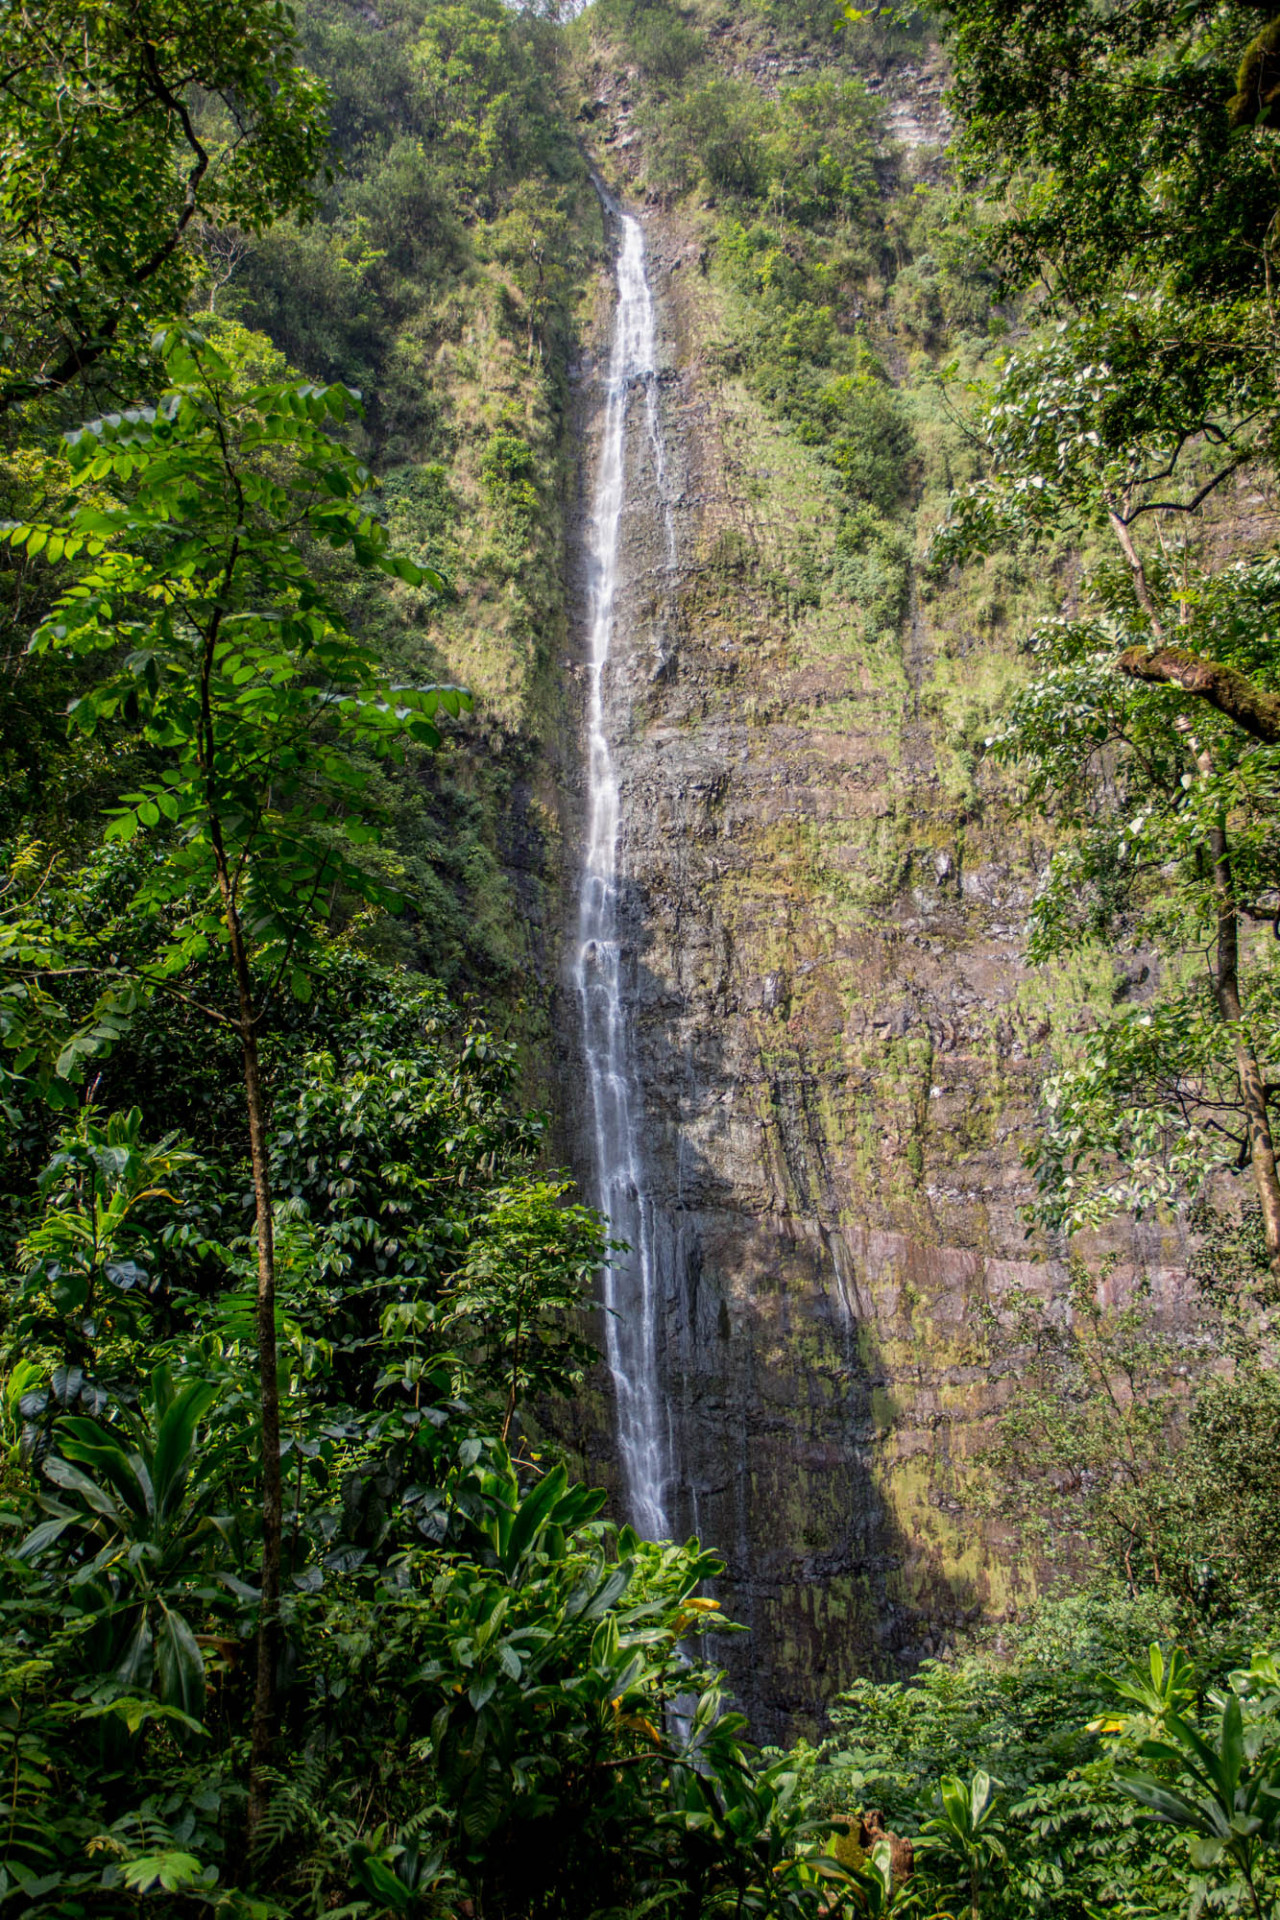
<point x="1139" y="409"/>
<point x="466" y="1653"/>
<point x="302" y="1610"/>
<point x="1064" y="1782"/>
<point x="1080" y="327"/>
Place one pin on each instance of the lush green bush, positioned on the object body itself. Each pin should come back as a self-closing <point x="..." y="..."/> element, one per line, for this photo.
<point x="808" y="177"/>
<point x="1039" y="1784"/>
<point x="713" y="132"/>
<point x="484" y="1691"/>
<point x="653" y="34"/>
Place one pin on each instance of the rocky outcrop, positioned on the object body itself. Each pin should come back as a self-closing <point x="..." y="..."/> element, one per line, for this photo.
<point x="837" y="1041"/>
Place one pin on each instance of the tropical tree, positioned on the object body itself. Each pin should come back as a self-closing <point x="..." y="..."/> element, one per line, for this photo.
<point x="1118" y="142"/>
<point x="1116" y="182"/>
<point x="1220" y="1783"/>
<point x="138" y="1527"/>
<point x="195" y="523"/>
<point x="126" y="128"/>
<point x="966" y="1825"/>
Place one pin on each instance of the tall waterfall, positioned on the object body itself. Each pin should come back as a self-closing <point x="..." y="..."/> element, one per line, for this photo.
<point x="630" y="1289"/>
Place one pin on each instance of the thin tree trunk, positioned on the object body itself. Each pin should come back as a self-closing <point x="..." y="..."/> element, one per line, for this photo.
<point x="513" y="1396"/>
<point x="1262" y="1151"/>
<point x="1226" y="985"/>
<point x="263" y="1729"/>
<point x="1120" y="528"/>
<point x="1253" y="1894"/>
<point x="269" y="1392"/>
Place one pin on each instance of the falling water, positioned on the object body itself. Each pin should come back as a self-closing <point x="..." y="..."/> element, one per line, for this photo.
<point x="630" y="1289"/>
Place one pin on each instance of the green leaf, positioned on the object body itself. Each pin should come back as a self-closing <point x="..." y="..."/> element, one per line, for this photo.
<point x="136" y="1710"/>
<point x="532" y="1515"/>
<point x="72" y="1480"/>
<point x="1232" y="1751"/>
<point x="377" y="1879"/>
<point x="979" y="1796"/>
<point x="1168" y="1805"/>
<point x="44" y="1536"/>
<point x="179" y="1665"/>
<point x="170" y="1872"/>
<point x="136" y="1664"/>
<point x="175" y="1439"/>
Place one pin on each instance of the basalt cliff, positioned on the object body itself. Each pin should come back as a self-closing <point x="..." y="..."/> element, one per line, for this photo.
<point x="837" y="1040"/>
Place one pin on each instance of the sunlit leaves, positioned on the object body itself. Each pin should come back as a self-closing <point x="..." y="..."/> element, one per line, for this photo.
<point x="117" y="132"/>
<point x="1133" y="405"/>
<point x="1218" y="1781"/>
<point x="193" y="532"/>
<point x="1133" y="790"/>
<point x="1147" y="1117"/>
<point x="1103" y="139"/>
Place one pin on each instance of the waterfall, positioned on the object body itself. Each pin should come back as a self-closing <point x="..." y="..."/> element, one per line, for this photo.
<point x="629" y="1288"/>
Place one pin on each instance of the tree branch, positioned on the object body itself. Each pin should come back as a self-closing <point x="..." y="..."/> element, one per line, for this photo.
<point x="85" y="351"/>
<point x="1230" y="692"/>
<point x="1197" y="500"/>
<point x="1120" y="527"/>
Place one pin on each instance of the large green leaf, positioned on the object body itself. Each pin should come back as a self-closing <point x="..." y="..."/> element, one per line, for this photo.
<point x="137" y="1664"/>
<point x="44" y="1535"/>
<point x="72" y="1480"/>
<point x="609" y="1591"/>
<point x="533" y="1513"/>
<point x="179" y="1664"/>
<point x="1165" y="1802"/>
<point x="168" y="1872"/>
<point x="175" y="1441"/>
<point x="92" y="1445"/>
<point x="1231" y="1760"/>
<point x="376" y="1878"/>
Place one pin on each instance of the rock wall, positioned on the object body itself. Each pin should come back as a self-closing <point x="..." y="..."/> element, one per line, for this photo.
<point x="838" y="1043"/>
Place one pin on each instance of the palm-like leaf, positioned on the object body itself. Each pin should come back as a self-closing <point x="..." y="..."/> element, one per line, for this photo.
<point x="1222" y="1787"/>
<point x="134" y="1525"/>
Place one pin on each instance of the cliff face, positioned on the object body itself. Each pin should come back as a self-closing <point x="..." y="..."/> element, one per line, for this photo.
<point x="837" y="1044"/>
<point x="825" y="886"/>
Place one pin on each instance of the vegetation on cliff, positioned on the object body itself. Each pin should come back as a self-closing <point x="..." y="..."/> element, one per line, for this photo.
<point x="1122" y="168"/>
<point x="1093" y="293"/>
<point x="301" y="1611"/>
<point x="1141" y="408"/>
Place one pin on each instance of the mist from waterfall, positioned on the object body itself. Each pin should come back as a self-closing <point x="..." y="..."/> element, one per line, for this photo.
<point x="629" y="1288"/>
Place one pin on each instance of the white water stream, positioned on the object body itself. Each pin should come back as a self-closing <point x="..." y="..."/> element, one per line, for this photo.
<point x="600" y="977"/>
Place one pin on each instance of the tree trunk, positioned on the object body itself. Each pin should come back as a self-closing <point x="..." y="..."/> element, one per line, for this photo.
<point x="1119" y="526"/>
<point x="1251" y="707"/>
<point x="513" y="1396"/>
<point x="1262" y="1151"/>
<point x="263" y="1730"/>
